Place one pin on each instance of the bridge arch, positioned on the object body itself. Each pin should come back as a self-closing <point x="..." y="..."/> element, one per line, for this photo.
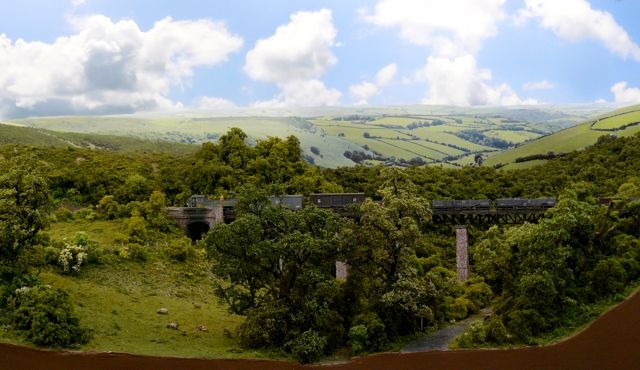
<point x="196" y="230"/>
<point x="195" y="221"/>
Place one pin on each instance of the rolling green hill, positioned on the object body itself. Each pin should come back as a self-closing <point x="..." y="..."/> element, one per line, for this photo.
<point x="20" y="135"/>
<point x="330" y="137"/>
<point x="620" y="122"/>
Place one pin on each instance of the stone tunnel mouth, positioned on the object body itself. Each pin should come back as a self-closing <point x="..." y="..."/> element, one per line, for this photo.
<point x="196" y="230"/>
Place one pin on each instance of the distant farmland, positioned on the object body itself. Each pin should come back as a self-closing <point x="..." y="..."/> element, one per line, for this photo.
<point x="332" y="137"/>
<point x="620" y="122"/>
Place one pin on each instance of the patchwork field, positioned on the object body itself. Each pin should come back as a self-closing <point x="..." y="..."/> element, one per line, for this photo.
<point x="621" y="122"/>
<point x="432" y="135"/>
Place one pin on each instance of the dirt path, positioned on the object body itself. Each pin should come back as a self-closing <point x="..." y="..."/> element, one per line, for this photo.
<point x="441" y="339"/>
<point x="610" y="343"/>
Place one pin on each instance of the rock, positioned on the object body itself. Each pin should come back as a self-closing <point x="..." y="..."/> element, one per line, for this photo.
<point x="202" y="328"/>
<point x="163" y="311"/>
<point x="197" y="305"/>
<point x="172" y="325"/>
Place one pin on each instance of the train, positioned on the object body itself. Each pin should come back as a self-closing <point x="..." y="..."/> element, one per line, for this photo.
<point x="487" y="206"/>
<point x="345" y="200"/>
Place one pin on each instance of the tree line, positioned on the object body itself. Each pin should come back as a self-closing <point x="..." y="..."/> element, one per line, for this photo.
<point x="276" y="266"/>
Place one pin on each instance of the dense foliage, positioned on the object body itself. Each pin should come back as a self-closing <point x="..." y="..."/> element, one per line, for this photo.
<point x="276" y="266"/>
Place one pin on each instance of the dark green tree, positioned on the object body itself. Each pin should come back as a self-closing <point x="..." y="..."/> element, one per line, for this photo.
<point x="276" y="266"/>
<point x="385" y="270"/>
<point x="24" y="202"/>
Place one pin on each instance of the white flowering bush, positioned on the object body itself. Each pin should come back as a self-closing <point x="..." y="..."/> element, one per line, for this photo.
<point x="71" y="257"/>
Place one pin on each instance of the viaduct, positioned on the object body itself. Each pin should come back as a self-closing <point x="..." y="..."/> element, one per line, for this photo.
<point x="201" y="214"/>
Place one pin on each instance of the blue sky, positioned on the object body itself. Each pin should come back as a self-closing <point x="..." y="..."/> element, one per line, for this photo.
<point x="118" y="56"/>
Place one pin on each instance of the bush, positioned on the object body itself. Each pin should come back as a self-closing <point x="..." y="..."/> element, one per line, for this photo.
<point x="134" y="251"/>
<point x="358" y="339"/>
<point x="476" y="334"/>
<point x="308" y="347"/>
<point x="180" y="249"/>
<point x="496" y="332"/>
<point x="63" y="214"/>
<point x="458" y="308"/>
<point x="85" y="214"/>
<point x="525" y="324"/>
<point x="45" y="317"/>
<point x="71" y="258"/>
<point x="264" y="327"/>
<point x="479" y="293"/>
<point x="376" y="331"/>
<point x="137" y="230"/>
<point x="108" y="208"/>
<point x="91" y="247"/>
<point x="608" y="277"/>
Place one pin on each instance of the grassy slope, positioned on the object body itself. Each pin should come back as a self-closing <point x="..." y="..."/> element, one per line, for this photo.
<point x="119" y="300"/>
<point x="573" y="138"/>
<point x="18" y="135"/>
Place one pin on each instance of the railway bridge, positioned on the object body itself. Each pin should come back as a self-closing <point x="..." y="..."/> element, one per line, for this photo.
<point x="202" y="213"/>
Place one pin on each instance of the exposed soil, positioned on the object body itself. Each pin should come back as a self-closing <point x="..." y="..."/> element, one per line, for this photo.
<point x="610" y="343"/>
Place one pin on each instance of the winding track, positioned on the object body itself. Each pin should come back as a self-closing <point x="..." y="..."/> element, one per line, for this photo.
<point x="609" y="343"/>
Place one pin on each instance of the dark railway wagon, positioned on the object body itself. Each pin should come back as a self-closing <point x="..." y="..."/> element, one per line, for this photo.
<point x="336" y="200"/>
<point x="477" y="206"/>
<point x="290" y="201"/>
<point x="519" y="204"/>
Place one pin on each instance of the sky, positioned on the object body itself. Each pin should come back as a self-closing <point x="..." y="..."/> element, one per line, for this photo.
<point x="66" y="57"/>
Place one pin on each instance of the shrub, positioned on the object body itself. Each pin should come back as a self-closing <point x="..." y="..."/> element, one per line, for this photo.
<point x="457" y="309"/>
<point x="91" y="247"/>
<point x="476" y="334"/>
<point x="608" y="277"/>
<point x="137" y="230"/>
<point x="51" y="255"/>
<point x="180" y="249"/>
<point x="376" y="331"/>
<point x="479" y="293"/>
<point x="85" y="214"/>
<point x="45" y="317"/>
<point x="358" y="339"/>
<point x="71" y="258"/>
<point x="134" y="251"/>
<point x="496" y="331"/>
<point x="108" y="208"/>
<point x="63" y="214"/>
<point x="525" y="324"/>
<point x="308" y="347"/>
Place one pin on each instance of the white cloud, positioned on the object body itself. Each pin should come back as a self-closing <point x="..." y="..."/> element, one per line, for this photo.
<point x="576" y="20"/>
<point x="294" y="58"/>
<point x="209" y="102"/>
<point x="78" y="2"/>
<point x="458" y="81"/>
<point x="365" y="90"/>
<point x="303" y="93"/>
<point x="538" y="85"/>
<point x="452" y="28"/>
<point x="625" y="95"/>
<point x="454" y="31"/>
<point x="386" y="74"/>
<point x="108" y="67"/>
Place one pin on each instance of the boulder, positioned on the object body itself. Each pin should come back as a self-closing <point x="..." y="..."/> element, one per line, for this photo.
<point x="172" y="325"/>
